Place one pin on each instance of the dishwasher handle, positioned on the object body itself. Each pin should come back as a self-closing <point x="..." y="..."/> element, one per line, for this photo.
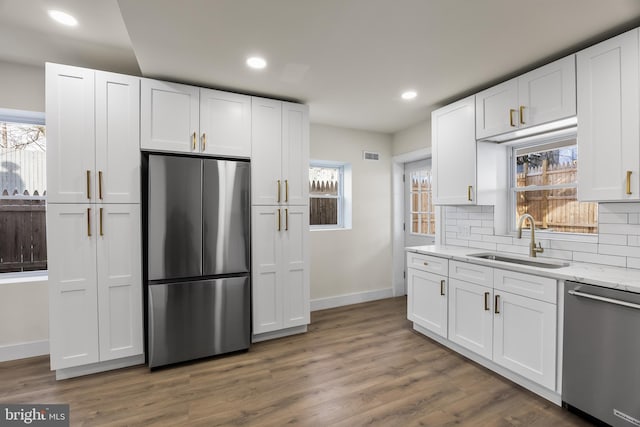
<point x="604" y="299"/>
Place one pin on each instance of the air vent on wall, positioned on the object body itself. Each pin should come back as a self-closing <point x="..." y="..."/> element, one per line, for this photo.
<point x="370" y="155"/>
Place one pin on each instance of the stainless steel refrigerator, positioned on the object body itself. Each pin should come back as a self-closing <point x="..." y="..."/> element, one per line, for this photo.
<point x="197" y="257"/>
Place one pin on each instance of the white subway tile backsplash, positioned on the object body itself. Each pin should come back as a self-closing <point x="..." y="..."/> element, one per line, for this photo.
<point x="616" y="261"/>
<point x="573" y="246"/>
<point x="629" y="229"/>
<point x="613" y="239"/>
<point x="633" y="251"/>
<point x="617" y="244"/>
<point x="613" y="218"/>
<point x="633" y="262"/>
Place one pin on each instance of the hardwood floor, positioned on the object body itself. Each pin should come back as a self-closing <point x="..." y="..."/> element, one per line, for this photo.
<point x="358" y="365"/>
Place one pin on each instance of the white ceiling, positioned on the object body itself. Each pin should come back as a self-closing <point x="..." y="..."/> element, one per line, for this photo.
<point x="348" y="59"/>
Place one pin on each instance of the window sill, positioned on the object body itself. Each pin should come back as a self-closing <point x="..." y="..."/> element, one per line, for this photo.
<point x="25" y="277"/>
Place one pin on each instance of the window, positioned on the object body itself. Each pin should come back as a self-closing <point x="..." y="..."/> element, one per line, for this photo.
<point x="544" y="185"/>
<point x="421" y="202"/>
<point x="22" y="192"/>
<point x="329" y="203"/>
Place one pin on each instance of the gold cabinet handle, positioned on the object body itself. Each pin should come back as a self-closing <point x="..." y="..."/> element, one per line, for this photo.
<point x="89" y="184"/>
<point x="486" y="301"/>
<point x="286" y="219"/>
<point x="628" y="182"/>
<point x="100" y="184"/>
<point x="469" y="188"/>
<point x="442" y="287"/>
<point x="279" y="191"/>
<point x="286" y="190"/>
<point x="89" y="222"/>
<point x="522" y="115"/>
<point x="193" y="141"/>
<point x="279" y="221"/>
<point x="496" y="309"/>
<point x="101" y="233"/>
<point x="511" y="111"/>
<point x="204" y="141"/>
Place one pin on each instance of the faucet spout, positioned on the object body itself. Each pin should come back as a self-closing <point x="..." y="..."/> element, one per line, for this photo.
<point x="533" y="249"/>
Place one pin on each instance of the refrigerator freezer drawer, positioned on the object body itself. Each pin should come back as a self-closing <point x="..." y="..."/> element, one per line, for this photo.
<point x="190" y="320"/>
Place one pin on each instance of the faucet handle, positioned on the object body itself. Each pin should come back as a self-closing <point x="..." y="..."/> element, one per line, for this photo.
<point x="538" y="248"/>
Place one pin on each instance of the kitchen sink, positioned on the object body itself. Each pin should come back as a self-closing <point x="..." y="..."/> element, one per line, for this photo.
<point x="513" y="259"/>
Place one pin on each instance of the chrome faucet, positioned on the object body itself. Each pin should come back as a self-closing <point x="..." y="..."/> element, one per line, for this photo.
<point x="533" y="249"/>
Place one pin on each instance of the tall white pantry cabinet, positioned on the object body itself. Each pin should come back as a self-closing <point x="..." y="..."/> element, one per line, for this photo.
<point x="280" y="218"/>
<point x="93" y="220"/>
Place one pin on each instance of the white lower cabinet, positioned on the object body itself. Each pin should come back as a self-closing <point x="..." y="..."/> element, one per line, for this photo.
<point x="524" y="337"/>
<point x="470" y="317"/>
<point x="280" y="288"/>
<point x="515" y="329"/>
<point x="95" y="288"/>
<point x="427" y="300"/>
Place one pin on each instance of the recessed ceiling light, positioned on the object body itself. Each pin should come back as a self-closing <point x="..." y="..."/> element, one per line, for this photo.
<point x="408" y="95"/>
<point x="63" y="18"/>
<point x="256" y="62"/>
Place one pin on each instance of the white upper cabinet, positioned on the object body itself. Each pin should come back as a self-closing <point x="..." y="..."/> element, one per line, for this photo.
<point x="543" y="95"/>
<point x="454" y="153"/>
<point x="608" y="114"/>
<point x="70" y="118"/>
<point x="225" y="123"/>
<point x="280" y="153"/>
<point x="92" y="136"/>
<point x="186" y="119"/>
<point x="169" y="117"/>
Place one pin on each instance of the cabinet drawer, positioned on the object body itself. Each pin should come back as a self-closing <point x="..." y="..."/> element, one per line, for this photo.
<point x="528" y="285"/>
<point x="471" y="273"/>
<point x="428" y="263"/>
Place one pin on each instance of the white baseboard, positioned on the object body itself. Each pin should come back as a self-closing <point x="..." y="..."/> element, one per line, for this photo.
<point x="23" y="350"/>
<point x="279" y="334"/>
<point x="93" y="368"/>
<point x="348" y="299"/>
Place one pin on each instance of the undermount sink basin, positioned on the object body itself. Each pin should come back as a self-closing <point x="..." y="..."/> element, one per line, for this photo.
<point x="533" y="262"/>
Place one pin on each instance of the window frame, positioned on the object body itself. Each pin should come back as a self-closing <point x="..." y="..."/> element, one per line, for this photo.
<point x="549" y="139"/>
<point x="344" y="195"/>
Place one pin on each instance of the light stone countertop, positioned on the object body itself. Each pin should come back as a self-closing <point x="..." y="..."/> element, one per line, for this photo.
<point x="627" y="279"/>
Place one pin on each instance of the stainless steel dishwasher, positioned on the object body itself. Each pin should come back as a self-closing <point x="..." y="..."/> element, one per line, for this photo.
<point x="601" y="363"/>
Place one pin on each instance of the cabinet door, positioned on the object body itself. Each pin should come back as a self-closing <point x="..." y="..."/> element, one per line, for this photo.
<point x="295" y="153"/>
<point x="609" y="110"/>
<point x="266" y="276"/>
<point x="470" y="316"/>
<point x="266" y="152"/>
<point x="525" y="337"/>
<point x="117" y="138"/>
<point x="547" y="93"/>
<point x="295" y="266"/>
<point x="454" y="153"/>
<point x="427" y="300"/>
<point x="73" y="310"/>
<point x="496" y="109"/>
<point x="225" y="123"/>
<point x="169" y="117"/>
<point x="70" y="134"/>
<point x="119" y="281"/>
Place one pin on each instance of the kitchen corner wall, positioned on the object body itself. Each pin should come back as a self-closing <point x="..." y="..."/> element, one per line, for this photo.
<point x="352" y="265"/>
<point x="22" y="87"/>
<point x="617" y="244"/>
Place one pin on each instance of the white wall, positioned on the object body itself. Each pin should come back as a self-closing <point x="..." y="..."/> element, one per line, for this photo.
<point x="416" y="137"/>
<point x="21" y="87"/>
<point x="354" y="265"/>
<point x="24" y="319"/>
<point x="24" y="307"/>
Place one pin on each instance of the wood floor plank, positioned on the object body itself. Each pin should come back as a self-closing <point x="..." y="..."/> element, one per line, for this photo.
<point x="357" y="365"/>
